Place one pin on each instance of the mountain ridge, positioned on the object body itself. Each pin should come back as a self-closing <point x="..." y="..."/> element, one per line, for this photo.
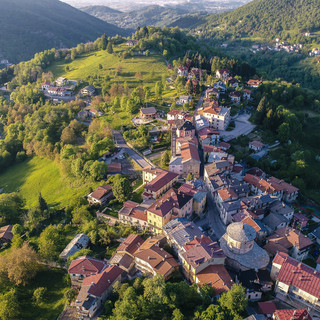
<point x="31" y="26"/>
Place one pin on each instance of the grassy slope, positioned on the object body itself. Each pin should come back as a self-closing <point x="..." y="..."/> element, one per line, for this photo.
<point x="37" y="175"/>
<point x="151" y="67"/>
<point x="54" y="303"/>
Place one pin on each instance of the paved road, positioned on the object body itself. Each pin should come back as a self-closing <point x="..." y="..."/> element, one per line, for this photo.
<point x="120" y="142"/>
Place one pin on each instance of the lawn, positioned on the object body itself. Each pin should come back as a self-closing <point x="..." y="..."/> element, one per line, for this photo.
<point x="37" y="175"/>
<point x="56" y="283"/>
<point x="151" y="68"/>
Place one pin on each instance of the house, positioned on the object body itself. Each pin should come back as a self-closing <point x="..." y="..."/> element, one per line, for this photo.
<point x="88" y="91"/>
<point x="180" y="231"/>
<point x="222" y="74"/>
<point x="235" y="97"/>
<point x="300" y="220"/>
<point x="124" y="256"/>
<point x="95" y="112"/>
<point x="274" y="221"/>
<point x="171" y="205"/>
<point x="281" y="208"/>
<point x="218" y="117"/>
<point x="199" y="254"/>
<point x="131" y="43"/>
<point x="6" y="234"/>
<point x="259" y="185"/>
<point x="254" y="83"/>
<point x="295" y="281"/>
<point x="215" y="276"/>
<point x="291" y="314"/>
<point x="188" y="161"/>
<point x="199" y="197"/>
<point x="61" y="81"/>
<point x="246" y="94"/>
<point x="155" y="260"/>
<point x="46" y="85"/>
<point x="182" y="71"/>
<point x="196" y="73"/>
<point x="289" y="192"/>
<point x="95" y="290"/>
<point x="316" y="235"/>
<point x="135" y="214"/>
<point x="255" y="145"/>
<point x="100" y="195"/>
<point x="175" y="114"/>
<point x="256" y="172"/>
<point x="160" y="184"/>
<point x="212" y="92"/>
<point x="185" y="129"/>
<point x="224" y="145"/>
<point x="232" y="82"/>
<point x="57" y="91"/>
<point x="267" y="308"/>
<point x="79" y="242"/>
<point x="289" y="240"/>
<point x="184" y="99"/>
<point x="255" y="282"/>
<point x="83" y="267"/>
<point x="148" y="113"/>
<point x="220" y="86"/>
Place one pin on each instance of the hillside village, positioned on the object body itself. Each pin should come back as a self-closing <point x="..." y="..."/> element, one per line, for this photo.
<point x="171" y="193"/>
<point x="222" y="221"/>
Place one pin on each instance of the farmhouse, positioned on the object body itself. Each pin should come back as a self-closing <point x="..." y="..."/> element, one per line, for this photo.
<point x="148" y="113"/>
<point x="100" y="195"/>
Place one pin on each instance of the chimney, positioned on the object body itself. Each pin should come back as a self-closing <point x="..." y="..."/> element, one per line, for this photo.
<point x="174" y="142"/>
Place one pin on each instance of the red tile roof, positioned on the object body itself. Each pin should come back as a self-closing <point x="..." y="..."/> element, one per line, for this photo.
<point x="160" y="260"/>
<point x="216" y="276"/>
<point x="282" y="185"/>
<point x="189" y="152"/>
<point x="161" y="181"/>
<point x="224" y="145"/>
<point x="268" y="307"/>
<point x="86" y="266"/>
<point x="292" y="314"/>
<point x="101" y="191"/>
<point x="280" y="258"/>
<point x="259" y="183"/>
<point x="301" y="276"/>
<point x="131" y="244"/>
<point x="99" y="283"/>
<point x="171" y="199"/>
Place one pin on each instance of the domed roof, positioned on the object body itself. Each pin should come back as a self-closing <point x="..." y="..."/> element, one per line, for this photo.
<point x="241" y="232"/>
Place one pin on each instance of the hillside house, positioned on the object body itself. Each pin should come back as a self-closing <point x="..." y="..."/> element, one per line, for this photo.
<point x="148" y="113"/>
<point x="246" y="94"/>
<point x="235" y="97"/>
<point x="218" y="117"/>
<point x="6" y="234"/>
<point x="255" y="145"/>
<point x="223" y="74"/>
<point x="88" y="91"/>
<point x="254" y="83"/>
<point x="61" y="82"/>
<point x="182" y="71"/>
<point x="184" y="99"/>
<point x="46" y="85"/>
<point x="131" y="43"/>
<point x="100" y="195"/>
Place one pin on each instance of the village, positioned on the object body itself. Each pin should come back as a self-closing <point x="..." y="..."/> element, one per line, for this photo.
<point x="222" y="221"/>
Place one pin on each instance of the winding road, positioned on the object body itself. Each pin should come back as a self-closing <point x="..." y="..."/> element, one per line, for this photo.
<point x="121" y="143"/>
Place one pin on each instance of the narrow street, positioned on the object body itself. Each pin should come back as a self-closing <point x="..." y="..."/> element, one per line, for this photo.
<point x="121" y="143"/>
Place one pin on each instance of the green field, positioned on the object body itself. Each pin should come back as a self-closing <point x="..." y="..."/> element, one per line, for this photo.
<point x="151" y="68"/>
<point x="37" y="175"/>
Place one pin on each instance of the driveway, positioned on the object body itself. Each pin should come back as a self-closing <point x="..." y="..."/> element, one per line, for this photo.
<point x="120" y="142"/>
<point x="242" y="127"/>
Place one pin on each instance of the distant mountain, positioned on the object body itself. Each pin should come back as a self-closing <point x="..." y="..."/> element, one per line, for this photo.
<point x="30" y="26"/>
<point x="171" y="14"/>
<point x="266" y="19"/>
<point x="151" y="15"/>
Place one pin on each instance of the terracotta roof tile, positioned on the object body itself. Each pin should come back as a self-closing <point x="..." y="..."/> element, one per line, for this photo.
<point x="292" y="314"/>
<point x="161" y="181"/>
<point x="86" y="266"/>
<point x="131" y="244"/>
<point x="101" y="191"/>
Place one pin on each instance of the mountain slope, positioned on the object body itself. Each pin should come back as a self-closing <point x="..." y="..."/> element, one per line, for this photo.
<point x="266" y="19"/>
<point x="30" y="26"/>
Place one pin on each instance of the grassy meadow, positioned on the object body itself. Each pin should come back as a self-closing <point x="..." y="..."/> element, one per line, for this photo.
<point x="37" y="175"/>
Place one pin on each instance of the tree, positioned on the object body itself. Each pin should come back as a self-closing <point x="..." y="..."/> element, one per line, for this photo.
<point x="177" y="315"/>
<point x="50" y="242"/>
<point x="98" y="170"/>
<point x="189" y="177"/>
<point x="234" y="300"/>
<point x="261" y="110"/>
<point x="9" y="305"/>
<point x="39" y="295"/>
<point x="165" y="159"/>
<point x="110" y="48"/>
<point x="103" y="42"/>
<point x="284" y="132"/>
<point x="70" y="295"/>
<point x="42" y="204"/>
<point x="11" y="208"/>
<point x="158" y="89"/>
<point x="20" y="264"/>
<point x="121" y="188"/>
